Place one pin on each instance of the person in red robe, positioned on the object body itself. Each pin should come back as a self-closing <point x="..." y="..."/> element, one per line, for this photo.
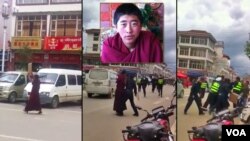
<point x="130" y="44"/>
<point x="33" y="102"/>
<point x="120" y="94"/>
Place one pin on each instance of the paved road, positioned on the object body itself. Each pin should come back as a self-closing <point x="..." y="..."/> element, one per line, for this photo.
<point x="101" y="124"/>
<point x="62" y="124"/>
<point x="186" y="122"/>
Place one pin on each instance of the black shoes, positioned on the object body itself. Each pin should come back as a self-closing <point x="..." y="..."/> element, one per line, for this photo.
<point x="40" y="112"/>
<point x="119" y="113"/>
<point x="201" y="113"/>
<point x="136" y="114"/>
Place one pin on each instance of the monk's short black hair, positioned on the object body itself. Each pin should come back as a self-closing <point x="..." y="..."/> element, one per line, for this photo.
<point x="127" y="9"/>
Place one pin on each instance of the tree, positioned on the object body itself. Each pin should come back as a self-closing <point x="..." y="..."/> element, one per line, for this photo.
<point x="247" y="49"/>
<point x="25" y="54"/>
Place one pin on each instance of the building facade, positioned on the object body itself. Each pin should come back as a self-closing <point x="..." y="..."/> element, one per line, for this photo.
<point x="46" y="33"/>
<point x="91" y="49"/>
<point x="195" y="49"/>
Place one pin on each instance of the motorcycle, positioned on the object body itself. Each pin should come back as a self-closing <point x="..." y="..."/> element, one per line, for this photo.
<point x="154" y="127"/>
<point x="213" y="129"/>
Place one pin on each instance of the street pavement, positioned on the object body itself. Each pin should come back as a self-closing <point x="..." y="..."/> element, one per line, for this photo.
<point x="186" y="122"/>
<point x="101" y="124"/>
<point x="61" y="124"/>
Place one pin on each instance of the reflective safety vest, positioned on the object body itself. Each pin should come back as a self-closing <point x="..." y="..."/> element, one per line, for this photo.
<point x="138" y="81"/>
<point x="160" y="81"/>
<point x="215" y="87"/>
<point x="203" y="85"/>
<point x="238" y="87"/>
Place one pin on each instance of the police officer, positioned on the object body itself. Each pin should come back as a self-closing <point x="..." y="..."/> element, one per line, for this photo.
<point x="237" y="88"/>
<point x="160" y="83"/>
<point x="214" y="93"/>
<point x="193" y="96"/>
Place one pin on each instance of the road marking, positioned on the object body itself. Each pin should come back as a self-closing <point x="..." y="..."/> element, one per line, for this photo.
<point x="18" y="138"/>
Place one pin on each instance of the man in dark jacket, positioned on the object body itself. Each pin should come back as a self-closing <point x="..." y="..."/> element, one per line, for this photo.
<point x="130" y="89"/>
<point x="194" y="96"/>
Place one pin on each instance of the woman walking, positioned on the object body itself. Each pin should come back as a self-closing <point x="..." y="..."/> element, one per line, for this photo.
<point x="33" y="103"/>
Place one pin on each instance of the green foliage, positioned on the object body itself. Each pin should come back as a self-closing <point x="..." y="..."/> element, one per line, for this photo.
<point x="151" y="20"/>
<point x="247" y="49"/>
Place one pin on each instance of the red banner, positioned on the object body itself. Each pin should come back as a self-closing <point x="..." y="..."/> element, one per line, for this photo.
<point x="62" y="43"/>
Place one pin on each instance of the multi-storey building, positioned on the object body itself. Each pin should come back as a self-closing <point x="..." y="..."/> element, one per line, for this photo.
<point x="50" y="30"/>
<point x="195" y="50"/>
<point x="91" y="51"/>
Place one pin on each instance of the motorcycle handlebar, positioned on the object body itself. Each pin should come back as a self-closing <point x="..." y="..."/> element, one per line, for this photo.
<point x="190" y="131"/>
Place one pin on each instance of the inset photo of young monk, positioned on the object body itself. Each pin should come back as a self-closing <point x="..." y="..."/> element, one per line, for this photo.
<point x="131" y="32"/>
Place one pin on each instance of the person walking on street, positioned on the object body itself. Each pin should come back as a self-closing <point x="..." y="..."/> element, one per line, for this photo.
<point x="120" y="95"/>
<point x="160" y="83"/>
<point x="193" y="96"/>
<point x="33" y="102"/>
<point x="237" y="88"/>
<point x="130" y="89"/>
<point x="144" y="83"/>
<point x="138" y="82"/>
<point x="154" y="83"/>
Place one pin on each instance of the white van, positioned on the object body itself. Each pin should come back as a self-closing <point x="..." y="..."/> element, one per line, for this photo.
<point x="12" y="84"/>
<point x="100" y="81"/>
<point x="58" y="85"/>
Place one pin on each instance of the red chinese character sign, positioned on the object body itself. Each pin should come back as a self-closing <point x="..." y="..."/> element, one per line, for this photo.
<point x="63" y="43"/>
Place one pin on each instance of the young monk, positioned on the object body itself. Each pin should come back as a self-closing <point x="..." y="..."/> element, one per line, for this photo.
<point x="130" y="44"/>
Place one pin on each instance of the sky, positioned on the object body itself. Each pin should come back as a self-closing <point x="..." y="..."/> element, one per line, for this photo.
<point x="91" y="16"/>
<point x="226" y="20"/>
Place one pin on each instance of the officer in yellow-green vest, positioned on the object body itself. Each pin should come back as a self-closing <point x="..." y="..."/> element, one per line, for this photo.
<point x="138" y="82"/>
<point x="160" y="83"/>
<point x="237" y="88"/>
<point x="214" y="93"/>
<point x="203" y="86"/>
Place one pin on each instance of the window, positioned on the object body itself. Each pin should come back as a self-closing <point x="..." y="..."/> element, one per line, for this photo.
<point x="197" y="64"/>
<point x="61" y="81"/>
<point x="96" y="36"/>
<point x="66" y="1"/>
<point x="199" y="40"/>
<point x="31" y="26"/>
<point x="26" y="2"/>
<point x="79" y="79"/>
<point x="95" y="47"/>
<point x="183" y="51"/>
<point x="183" y="63"/>
<point x="72" y="79"/>
<point x="185" y="39"/>
<point x="65" y="25"/>
<point x="198" y="52"/>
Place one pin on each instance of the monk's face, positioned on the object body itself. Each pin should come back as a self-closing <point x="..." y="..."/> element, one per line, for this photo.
<point x="129" y="28"/>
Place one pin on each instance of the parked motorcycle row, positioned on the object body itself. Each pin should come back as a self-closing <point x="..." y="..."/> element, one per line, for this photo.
<point x="154" y="127"/>
<point x="212" y="130"/>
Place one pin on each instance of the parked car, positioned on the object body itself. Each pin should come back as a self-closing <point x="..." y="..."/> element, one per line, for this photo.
<point x="101" y="81"/>
<point x="57" y="86"/>
<point x="12" y="84"/>
<point x="180" y="89"/>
